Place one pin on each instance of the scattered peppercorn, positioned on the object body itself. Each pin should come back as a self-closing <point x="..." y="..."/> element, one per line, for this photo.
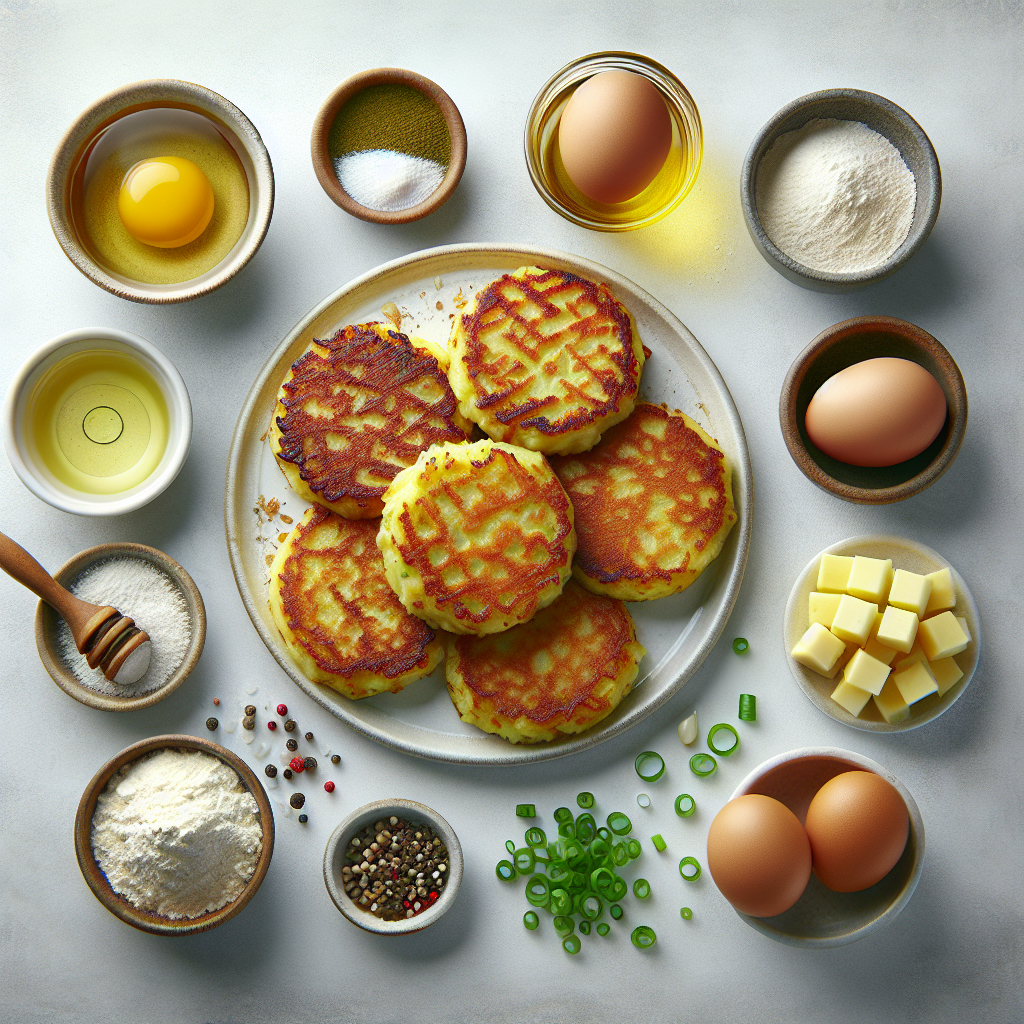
<point x="271" y="726"/>
<point x="309" y="763"/>
<point x="289" y="726"/>
<point x="309" y="737"/>
<point x="292" y="744"/>
<point x="297" y="764"/>
<point x="329" y="786"/>
<point x="250" y="710"/>
<point x="249" y="723"/>
<point x="335" y="758"/>
<point x="216" y="702"/>
<point x="287" y="773"/>
<point x="296" y="800"/>
<point x="270" y="771"/>
<point x="212" y="723"/>
<point x="303" y="818"/>
<point x="282" y="709"/>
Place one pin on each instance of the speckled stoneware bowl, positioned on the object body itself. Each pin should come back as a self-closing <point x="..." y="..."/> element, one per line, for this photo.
<point x="821" y="917"/>
<point x="840" y="346"/>
<point x="97" y="880"/>
<point x="334" y="860"/>
<point x="47" y="621"/>
<point x="324" y="166"/>
<point x="230" y="123"/>
<point x="880" y="115"/>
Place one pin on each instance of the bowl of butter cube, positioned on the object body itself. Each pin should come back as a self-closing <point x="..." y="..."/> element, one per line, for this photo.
<point x="882" y="633"/>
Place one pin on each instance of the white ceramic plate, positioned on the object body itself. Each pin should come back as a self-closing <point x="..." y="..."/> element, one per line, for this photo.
<point x="678" y="632"/>
<point x="905" y="554"/>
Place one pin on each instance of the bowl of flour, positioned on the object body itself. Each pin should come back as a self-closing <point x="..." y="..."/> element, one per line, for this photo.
<point x="839" y="189"/>
<point x="174" y="835"/>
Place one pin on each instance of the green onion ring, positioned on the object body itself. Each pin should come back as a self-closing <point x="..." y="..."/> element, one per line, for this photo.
<point x="562" y="814"/>
<point x="616" y="911"/>
<point x="585" y="800"/>
<point x="563" y="925"/>
<point x="641" y="888"/>
<point x="601" y="879"/>
<point x="558" y="871"/>
<point x="506" y="871"/>
<point x="714" y="731"/>
<point x="538" y="891"/>
<point x="526" y="811"/>
<point x="619" y="823"/>
<point x="643" y="937"/>
<point x="703" y="765"/>
<point x="617" y="889"/>
<point x="571" y="944"/>
<point x="531" y="921"/>
<point x="584" y="927"/>
<point x="605" y="833"/>
<point x="620" y="855"/>
<point x="524" y="860"/>
<point x="561" y="902"/>
<point x="535" y="837"/>
<point x="567" y="829"/>
<point x="685" y="913"/>
<point x="510" y="845"/>
<point x="748" y="707"/>
<point x="586" y="828"/>
<point x="685" y="805"/>
<point x="650" y="765"/>
<point x="600" y="851"/>
<point x="689" y="862"/>
<point x="643" y="800"/>
<point x="659" y="842"/>
<point x="591" y="905"/>
<point x="634" y="849"/>
<point x="741" y="645"/>
<point x="603" y="928"/>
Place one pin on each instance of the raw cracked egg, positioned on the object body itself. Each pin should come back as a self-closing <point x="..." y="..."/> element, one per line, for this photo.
<point x="614" y="136"/>
<point x="165" y="201"/>
<point x="878" y="412"/>
<point x="858" y="825"/>
<point x="759" y="855"/>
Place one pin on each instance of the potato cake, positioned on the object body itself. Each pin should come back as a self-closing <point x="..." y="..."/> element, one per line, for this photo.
<point x="545" y="360"/>
<point x="354" y="410"/>
<point x="561" y="672"/>
<point x="477" y="537"/>
<point x="338" y="615"/>
<point x="653" y="505"/>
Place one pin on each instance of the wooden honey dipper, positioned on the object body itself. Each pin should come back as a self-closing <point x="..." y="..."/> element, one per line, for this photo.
<point x="109" y="640"/>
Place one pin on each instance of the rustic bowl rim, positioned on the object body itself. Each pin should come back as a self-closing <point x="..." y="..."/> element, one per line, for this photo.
<point x="949" y="378"/>
<point x="324" y="168"/>
<point x="47" y="620"/>
<point x="120" y="907"/>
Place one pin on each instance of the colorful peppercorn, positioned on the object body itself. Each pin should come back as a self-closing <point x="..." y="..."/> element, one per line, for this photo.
<point x="216" y="702"/>
<point x="292" y="744"/>
<point x="271" y="726"/>
<point x="250" y="710"/>
<point x="287" y="773"/>
<point x="270" y="771"/>
<point x="303" y="818"/>
<point x="309" y="763"/>
<point x="249" y="722"/>
<point x="296" y="800"/>
<point x="297" y="764"/>
<point x="335" y="758"/>
<point x="329" y="786"/>
<point x="289" y="726"/>
<point x="212" y="723"/>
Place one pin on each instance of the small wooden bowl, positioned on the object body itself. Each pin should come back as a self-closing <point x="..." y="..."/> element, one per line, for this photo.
<point x="842" y="345"/>
<point x="117" y="904"/>
<point x="324" y="166"/>
<point x="47" y="621"/>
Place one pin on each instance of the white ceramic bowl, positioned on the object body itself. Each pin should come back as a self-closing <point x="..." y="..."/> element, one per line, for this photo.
<point x="334" y="860"/>
<point x="821" y="917"/>
<point x="26" y="460"/>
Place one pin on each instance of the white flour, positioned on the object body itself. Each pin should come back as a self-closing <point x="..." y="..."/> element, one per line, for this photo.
<point x="382" y="179"/>
<point x="176" y="834"/>
<point x="835" y="196"/>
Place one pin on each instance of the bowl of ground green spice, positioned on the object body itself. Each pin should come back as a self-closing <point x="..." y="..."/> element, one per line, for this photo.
<point x="389" y="146"/>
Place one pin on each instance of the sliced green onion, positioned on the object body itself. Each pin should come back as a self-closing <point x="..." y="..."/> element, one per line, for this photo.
<point x="591" y="905"/>
<point x="643" y="800"/>
<point x="601" y="879"/>
<point x="524" y="860"/>
<point x="619" y="823"/>
<point x="584" y="927"/>
<point x="691" y="863"/>
<point x="585" y="799"/>
<point x="620" y="855"/>
<point x="571" y="944"/>
<point x="650" y="765"/>
<point x="526" y="811"/>
<point x="567" y="829"/>
<point x="605" y="833"/>
<point x="723" y="751"/>
<point x="748" y="707"/>
<point x="616" y="911"/>
<point x="538" y="891"/>
<point x="740" y="645"/>
<point x="506" y="871"/>
<point x="586" y="828"/>
<point x="562" y="814"/>
<point x="535" y="837"/>
<point x="559" y="871"/>
<point x="685" y="805"/>
<point x="634" y="849"/>
<point x="643" y="937"/>
<point x="685" y="913"/>
<point x="603" y="928"/>
<point x="641" y="888"/>
<point x="578" y="880"/>
<point x="703" y="765"/>
<point x="560" y="902"/>
<point x="531" y="921"/>
<point x="556" y="851"/>
<point x="659" y="842"/>
<point x="510" y="845"/>
<point x="600" y="852"/>
<point x="617" y="889"/>
<point x="563" y="925"/>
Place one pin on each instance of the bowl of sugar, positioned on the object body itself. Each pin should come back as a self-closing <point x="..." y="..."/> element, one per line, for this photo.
<point x="840" y="189"/>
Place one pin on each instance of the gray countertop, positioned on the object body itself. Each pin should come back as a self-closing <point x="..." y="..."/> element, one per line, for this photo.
<point x="955" y="952"/>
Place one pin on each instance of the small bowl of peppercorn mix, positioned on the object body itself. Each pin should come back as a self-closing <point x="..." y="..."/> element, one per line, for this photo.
<point x="393" y="867"/>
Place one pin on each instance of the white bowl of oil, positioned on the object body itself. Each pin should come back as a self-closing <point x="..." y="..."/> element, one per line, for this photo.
<point x="148" y="122"/>
<point x="98" y="422"/>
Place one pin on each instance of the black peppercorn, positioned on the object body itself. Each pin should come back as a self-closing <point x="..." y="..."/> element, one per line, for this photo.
<point x="292" y="744"/>
<point x="310" y="763"/>
<point x="249" y="723"/>
<point x="212" y="723"/>
<point x="289" y="726"/>
<point x="287" y="773"/>
<point x="303" y="818"/>
<point x="271" y="771"/>
<point x="250" y="710"/>
<point x="297" y="800"/>
<point x="309" y="737"/>
<point x="335" y="758"/>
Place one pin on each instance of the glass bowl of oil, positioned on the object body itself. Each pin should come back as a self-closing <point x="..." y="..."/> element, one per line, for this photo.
<point x="98" y="422"/>
<point x="142" y="123"/>
<point x="672" y="183"/>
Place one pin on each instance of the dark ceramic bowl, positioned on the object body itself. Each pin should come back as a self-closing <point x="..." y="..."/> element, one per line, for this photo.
<point x="880" y="115"/>
<point x="842" y="345"/>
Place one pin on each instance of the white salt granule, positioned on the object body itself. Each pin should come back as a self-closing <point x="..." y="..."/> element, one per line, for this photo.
<point x="835" y="196"/>
<point x="176" y="833"/>
<point x="382" y="179"/>
<point x="139" y="589"/>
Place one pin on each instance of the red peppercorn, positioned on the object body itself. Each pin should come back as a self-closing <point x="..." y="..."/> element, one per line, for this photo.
<point x="216" y="702"/>
<point x="271" y="726"/>
<point x="329" y="786"/>
<point x="282" y="709"/>
<point x="297" y="764"/>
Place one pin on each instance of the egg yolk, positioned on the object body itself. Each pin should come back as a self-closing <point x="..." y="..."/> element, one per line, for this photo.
<point x="165" y="201"/>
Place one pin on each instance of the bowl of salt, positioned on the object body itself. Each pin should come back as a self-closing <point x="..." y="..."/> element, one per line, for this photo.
<point x="389" y="146"/>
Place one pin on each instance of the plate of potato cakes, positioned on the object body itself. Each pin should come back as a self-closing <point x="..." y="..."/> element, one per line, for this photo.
<point x="489" y="504"/>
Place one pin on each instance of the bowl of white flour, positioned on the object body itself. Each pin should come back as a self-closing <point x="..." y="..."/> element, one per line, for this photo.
<point x="839" y="189"/>
<point x="174" y="835"/>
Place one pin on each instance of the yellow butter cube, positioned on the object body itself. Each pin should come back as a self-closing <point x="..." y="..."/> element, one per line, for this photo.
<point x="870" y="578"/>
<point x="854" y="619"/>
<point x="947" y="673"/>
<point x="880" y="652"/>
<point x="822" y="608"/>
<point x="942" y="636"/>
<point x="916" y="682"/>
<point x="875" y="625"/>
<point x="834" y="573"/>
<point x="898" y="629"/>
<point x="818" y="649"/>
<point x="851" y="698"/>
<point x="866" y="673"/>
<point x="890" y="703"/>
<point x="916" y="654"/>
<point x="910" y="591"/>
<point x="943" y="595"/>
<point x="848" y="653"/>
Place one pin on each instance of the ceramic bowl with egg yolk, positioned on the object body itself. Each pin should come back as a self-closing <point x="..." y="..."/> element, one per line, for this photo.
<point x="137" y="108"/>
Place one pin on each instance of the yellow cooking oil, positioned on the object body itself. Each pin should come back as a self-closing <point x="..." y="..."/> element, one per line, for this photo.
<point x="98" y="422"/>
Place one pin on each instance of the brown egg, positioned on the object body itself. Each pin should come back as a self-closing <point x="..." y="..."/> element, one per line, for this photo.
<point x="758" y="855"/>
<point x="614" y="136"/>
<point x="878" y="412"/>
<point x="858" y="826"/>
